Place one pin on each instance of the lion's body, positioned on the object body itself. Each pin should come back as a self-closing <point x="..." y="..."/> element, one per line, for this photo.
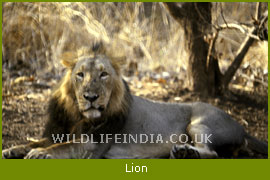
<point x="147" y="117"/>
<point x="93" y="99"/>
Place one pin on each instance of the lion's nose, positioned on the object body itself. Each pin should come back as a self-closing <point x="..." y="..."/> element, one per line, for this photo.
<point x="90" y="97"/>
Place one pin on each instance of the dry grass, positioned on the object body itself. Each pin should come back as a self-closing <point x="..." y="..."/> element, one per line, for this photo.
<point x="36" y="34"/>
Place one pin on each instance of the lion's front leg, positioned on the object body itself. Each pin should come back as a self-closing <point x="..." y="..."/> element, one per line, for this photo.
<point x="68" y="150"/>
<point x="15" y="152"/>
<point x="20" y="151"/>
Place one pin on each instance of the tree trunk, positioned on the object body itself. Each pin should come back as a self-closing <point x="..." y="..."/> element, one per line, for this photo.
<point x="195" y="19"/>
<point x="204" y="73"/>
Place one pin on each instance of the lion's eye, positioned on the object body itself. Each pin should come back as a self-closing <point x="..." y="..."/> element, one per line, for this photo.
<point x="103" y="75"/>
<point x="80" y="75"/>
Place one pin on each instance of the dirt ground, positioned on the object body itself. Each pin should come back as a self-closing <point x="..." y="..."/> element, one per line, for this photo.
<point x="25" y="101"/>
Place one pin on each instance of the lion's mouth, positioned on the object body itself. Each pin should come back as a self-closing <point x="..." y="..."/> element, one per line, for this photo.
<point x="93" y="112"/>
<point x="100" y="108"/>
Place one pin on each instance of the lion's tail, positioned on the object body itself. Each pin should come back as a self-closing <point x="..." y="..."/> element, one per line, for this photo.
<point x="257" y="145"/>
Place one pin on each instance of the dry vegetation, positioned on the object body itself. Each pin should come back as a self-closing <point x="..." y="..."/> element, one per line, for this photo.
<point x="36" y="34"/>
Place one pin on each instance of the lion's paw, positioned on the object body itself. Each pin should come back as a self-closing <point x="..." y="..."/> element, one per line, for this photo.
<point x="185" y="151"/>
<point x="16" y="152"/>
<point x="38" y="153"/>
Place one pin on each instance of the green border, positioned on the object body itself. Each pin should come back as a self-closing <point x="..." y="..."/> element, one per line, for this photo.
<point x="180" y="169"/>
<point x="86" y="169"/>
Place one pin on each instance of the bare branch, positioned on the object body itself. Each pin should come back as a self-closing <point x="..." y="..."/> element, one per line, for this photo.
<point x="241" y="53"/>
<point x="211" y="48"/>
<point x="237" y="27"/>
<point x="264" y="18"/>
<point x="258" y="11"/>
<point x="238" y="59"/>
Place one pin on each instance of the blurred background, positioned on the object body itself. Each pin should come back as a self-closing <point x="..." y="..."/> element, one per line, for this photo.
<point x="34" y="35"/>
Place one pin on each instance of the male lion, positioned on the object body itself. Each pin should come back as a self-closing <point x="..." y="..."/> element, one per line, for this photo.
<point x="93" y="99"/>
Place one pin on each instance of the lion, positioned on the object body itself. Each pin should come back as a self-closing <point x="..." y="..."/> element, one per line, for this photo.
<point x="94" y="100"/>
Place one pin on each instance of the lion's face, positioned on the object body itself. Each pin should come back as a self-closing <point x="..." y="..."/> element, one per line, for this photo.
<point x="93" y="81"/>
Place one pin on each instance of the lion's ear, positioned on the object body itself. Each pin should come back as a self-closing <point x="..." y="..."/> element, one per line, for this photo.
<point x="118" y="63"/>
<point x="69" y="59"/>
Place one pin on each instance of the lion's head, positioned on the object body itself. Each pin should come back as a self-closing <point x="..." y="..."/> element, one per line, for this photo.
<point x="93" y="86"/>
